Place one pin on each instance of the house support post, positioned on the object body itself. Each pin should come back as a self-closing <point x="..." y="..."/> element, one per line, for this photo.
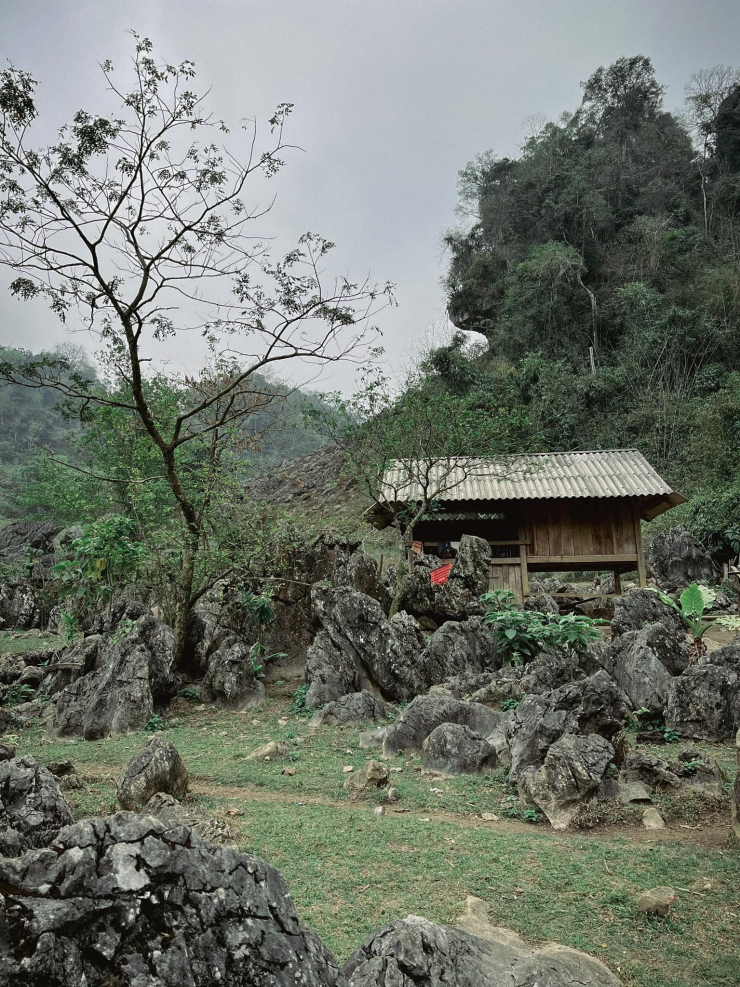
<point x="617" y="584"/>
<point x="641" y="573"/>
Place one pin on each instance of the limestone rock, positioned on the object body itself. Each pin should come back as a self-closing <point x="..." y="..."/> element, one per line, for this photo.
<point x="676" y="559"/>
<point x="230" y="679"/>
<point x="7" y="751"/>
<point x="466" y="647"/>
<point x="652" y="819"/>
<point x="375" y="774"/>
<point x="270" y="750"/>
<point x="32" y="808"/>
<point x="21" y="606"/>
<point x="17" y="537"/>
<point x="361" y="646"/>
<point x="704" y="702"/>
<point x="594" y="705"/>
<point x="150" y="905"/>
<point x="66" y="775"/>
<point x="425" y="713"/>
<point x="130" y="679"/>
<point x="414" y="952"/>
<point x="643" y="606"/>
<point x="541" y="603"/>
<point x="459" y="598"/>
<point x="157" y="767"/>
<point x="173" y="814"/>
<point x="454" y="749"/>
<point x="12" y="666"/>
<point x="656" y="901"/>
<point x="355" y="709"/>
<point x="632" y="661"/>
<point x="651" y="771"/>
<point x="572" y="772"/>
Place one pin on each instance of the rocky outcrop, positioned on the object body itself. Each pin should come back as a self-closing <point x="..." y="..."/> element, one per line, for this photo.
<point x="32" y="808"/>
<point x="172" y="813"/>
<point x="426" y="713"/>
<point x="157" y="767"/>
<point x="20" y="536"/>
<point x="130" y="900"/>
<point x="459" y="598"/>
<point x="541" y="603"/>
<point x="414" y="952"/>
<point x="21" y="607"/>
<point x="330" y="672"/>
<point x="360" y="646"/>
<point x="592" y="706"/>
<point x="465" y="647"/>
<point x="632" y="661"/>
<point x="643" y="606"/>
<point x="230" y="681"/>
<point x="353" y="710"/>
<point x="572" y="772"/>
<point x="704" y="702"/>
<point x="130" y="679"/>
<point x="676" y="559"/>
<point x="690" y="771"/>
<point x="454" y="749"/>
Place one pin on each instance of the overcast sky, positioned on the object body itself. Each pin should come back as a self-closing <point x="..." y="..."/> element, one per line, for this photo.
<point x="392" y="98"/>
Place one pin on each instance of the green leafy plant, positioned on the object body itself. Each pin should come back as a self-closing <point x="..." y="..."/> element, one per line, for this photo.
<point x="70" y="625"/>
<point x="259" y="657"/>
<point x="530" y="815"/>
<point x="508" y="704"/>
<point x="106" y="555"/>
<point x="524" y="632"/>
<point x="189" y="692"/>
<point x="499" y="599"/>
<point x="154" y="724"/>
<point x="18" y="694"/>
<point x="672" y="736"/>
<point x="259" y="609"/>
<point x="691" y="605"/>
<point x="730" y="622"/>
<point x="298" y="704"/>
<point x="294" y="756"/>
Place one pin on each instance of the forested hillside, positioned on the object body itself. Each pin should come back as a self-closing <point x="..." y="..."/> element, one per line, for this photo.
<point x="601" y="269"/>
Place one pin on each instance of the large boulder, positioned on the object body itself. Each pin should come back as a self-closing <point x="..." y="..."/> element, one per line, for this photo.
<point x="18" y="538"/>
<point x="459" y="598"/>
<point x="157" y="767"/>
<point x="414" y="952"/>
<point x="640" y="607"/>
<point x="21" y="606"/>
<point x="454" y="749"/>
<point x="131" y="678"/>
<point x="32" y="808"/>
<point x="464" y="647"/>
<point x="172" y="813"/>
<point x="230" y="679"/>
<point x="594" y="705"/>
<point x="365" y="647"/>
<point x="689" y="771"/>
<point x="353" y="710"/>
<point x="632" y="661"/>
<point x="131" y="901"/>
<point x="704" y="702"/>
<point x="676" y="559"/>
<point x="426" y="713"/>
<point x="570" y="776"/>
<point x="330" y="672"/>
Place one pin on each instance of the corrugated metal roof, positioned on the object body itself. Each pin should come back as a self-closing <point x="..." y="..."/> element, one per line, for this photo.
<point x="600" y="473"/>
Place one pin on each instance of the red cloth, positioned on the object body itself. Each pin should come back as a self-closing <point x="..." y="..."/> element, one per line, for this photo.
<point x="441" y="574"/>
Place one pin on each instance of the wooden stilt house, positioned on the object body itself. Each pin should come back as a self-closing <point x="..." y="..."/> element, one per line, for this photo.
<point x="550" y="512"/>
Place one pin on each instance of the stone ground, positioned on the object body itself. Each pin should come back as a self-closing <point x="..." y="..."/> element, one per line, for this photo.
<point x="350" y="870"/>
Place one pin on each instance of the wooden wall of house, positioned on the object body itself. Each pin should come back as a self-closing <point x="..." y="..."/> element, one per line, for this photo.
<point x="580" y="526"/>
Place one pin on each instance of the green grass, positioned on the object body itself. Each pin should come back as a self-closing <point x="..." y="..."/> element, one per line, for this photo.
<point x="16" y="642"/>
<point x="351" y="871"/>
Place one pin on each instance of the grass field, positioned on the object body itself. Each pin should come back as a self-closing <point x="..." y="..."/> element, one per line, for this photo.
<point x="351" y="870"/>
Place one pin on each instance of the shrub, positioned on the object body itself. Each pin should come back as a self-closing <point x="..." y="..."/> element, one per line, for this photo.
<point x="525" y="632"/>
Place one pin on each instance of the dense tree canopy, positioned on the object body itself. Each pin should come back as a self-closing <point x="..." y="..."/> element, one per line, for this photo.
<point x="602" y="267"/>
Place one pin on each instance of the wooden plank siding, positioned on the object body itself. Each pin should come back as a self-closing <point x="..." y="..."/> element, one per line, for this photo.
<point x="581" y="527"/>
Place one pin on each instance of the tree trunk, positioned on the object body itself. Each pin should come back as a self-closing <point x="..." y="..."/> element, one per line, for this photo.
<point x="398" y="591"/>
<point x="183" y="598"/>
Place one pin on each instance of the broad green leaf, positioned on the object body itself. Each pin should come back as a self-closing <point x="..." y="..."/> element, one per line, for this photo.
<point x="510" y="632"/>
<point x="692" y="601"/>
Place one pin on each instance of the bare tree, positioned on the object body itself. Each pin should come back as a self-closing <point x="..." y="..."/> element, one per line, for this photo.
<point x="135" y="226"/>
